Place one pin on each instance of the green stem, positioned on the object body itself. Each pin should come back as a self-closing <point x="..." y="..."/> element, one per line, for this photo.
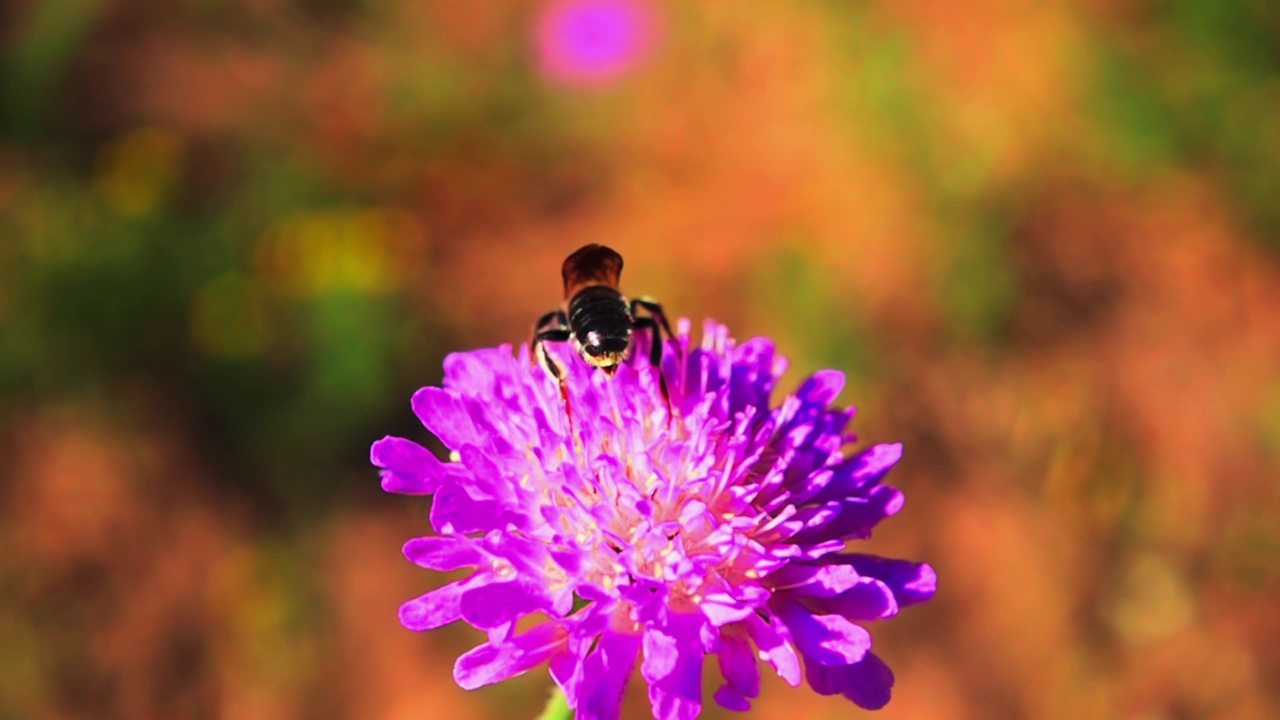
<point x="557" y="708"/>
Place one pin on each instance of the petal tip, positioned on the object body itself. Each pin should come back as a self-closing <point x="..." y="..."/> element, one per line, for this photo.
<point x="927" y="583"/>
<point x="731" y="699"/>
<point x="411" y="617"/>
<point x="379" y="450"/>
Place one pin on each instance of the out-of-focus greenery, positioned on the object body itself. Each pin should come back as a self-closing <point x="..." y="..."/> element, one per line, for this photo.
<point x="235" y="236"/>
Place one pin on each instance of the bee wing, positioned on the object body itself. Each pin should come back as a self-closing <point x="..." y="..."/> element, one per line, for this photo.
<point x="591" y="265"/>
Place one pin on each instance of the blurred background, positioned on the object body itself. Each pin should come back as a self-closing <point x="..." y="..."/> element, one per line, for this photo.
<point x="1042" y="238"/>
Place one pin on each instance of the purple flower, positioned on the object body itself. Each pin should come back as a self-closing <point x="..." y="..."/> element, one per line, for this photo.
<point x="653" y="532"/>
<point x="592" y="42"/>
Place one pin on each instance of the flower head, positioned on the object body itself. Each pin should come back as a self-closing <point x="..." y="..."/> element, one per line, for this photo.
<point x="591" y="42"/>
<point x="651" y="530"/>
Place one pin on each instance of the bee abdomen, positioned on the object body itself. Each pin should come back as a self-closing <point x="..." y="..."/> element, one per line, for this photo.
<point x="601" y="310"/>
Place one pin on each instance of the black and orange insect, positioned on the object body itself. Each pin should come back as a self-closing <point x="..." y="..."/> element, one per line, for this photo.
<point x="596" y="317"/>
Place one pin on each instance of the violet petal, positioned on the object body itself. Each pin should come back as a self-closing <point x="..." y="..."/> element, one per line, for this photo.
<point x="868" y="682"/>
<point x="910" y="582"/>
<point x="605" y="674"/>
<point x="730" y="699"/>
<point x="860" y="471"/>
<point x="738" y="665"/>
<point x="827" y="639"/>
<point x="673" y="668"/>
<point x="869" y="599"/>
<point x="855" y="518"/>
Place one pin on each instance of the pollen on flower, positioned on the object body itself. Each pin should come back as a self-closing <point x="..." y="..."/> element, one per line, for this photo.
<point x="733" y="537"/>
<point x="502" y="568"/>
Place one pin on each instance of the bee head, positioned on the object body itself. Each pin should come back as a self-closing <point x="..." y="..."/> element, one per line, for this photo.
<point x="604" y="352"/>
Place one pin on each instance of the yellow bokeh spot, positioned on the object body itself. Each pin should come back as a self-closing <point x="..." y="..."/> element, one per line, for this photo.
<point x="134" y="172"/>
<point x="367" y="250"/>
<point x="229" y="317"/>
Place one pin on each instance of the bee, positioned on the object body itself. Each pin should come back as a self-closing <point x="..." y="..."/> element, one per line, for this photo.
<point x="596" y="317"/>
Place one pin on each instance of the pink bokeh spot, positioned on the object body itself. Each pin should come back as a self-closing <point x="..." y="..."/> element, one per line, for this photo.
<point x="594" y="42"/>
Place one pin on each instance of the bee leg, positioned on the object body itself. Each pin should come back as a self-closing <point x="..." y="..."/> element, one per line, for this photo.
<point x="554" y="320"/>
<point x="544" y="333"/>
<point x="552" y="327"/>
<point x="657" y="313"/>
<point x="655" y="353"/>
<point x="655" y="347"/>
<point x="540" y="352"/>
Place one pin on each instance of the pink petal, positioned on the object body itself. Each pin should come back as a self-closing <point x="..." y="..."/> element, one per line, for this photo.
<point x="438" y="553"/>
<point x="436" y="608"/>
<point x="407" y="467"/>
<point x="491" y="663"/>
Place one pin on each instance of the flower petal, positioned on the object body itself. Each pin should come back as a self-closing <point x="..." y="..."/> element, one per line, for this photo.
<point x="860" y="471"/>
<point x="731" y="699"/>
<point x="828" y="639"/>
<point x="775" y="647"/>
<point x="445" y="415"/>
<point x="567" y="667"/>
<point x="604" y="676"/>
<point x="721" y="609"/>
<point x="738" y="665"/>
<point x="910" y="582"/>
<point x="492" y="605"/>
<point x="856" y="517"/>
<point x="822" y="387"/>
<point x="751" y="376"/>
<point x="868" y="682"/>
<point x="479" y="372"/>
<point x="820" y="580"/>
<point x="443" y="553"/>
<point x="673" y="668"/>
<point x="460" y="509"/>
<point x="491" y="663"/>
<point x="407" y="467"/>
<point x="869" y="599"/>
<point x="438" y="607"/>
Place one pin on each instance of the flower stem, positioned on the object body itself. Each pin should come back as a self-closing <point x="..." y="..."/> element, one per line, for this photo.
<point x="557" y="708"/>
